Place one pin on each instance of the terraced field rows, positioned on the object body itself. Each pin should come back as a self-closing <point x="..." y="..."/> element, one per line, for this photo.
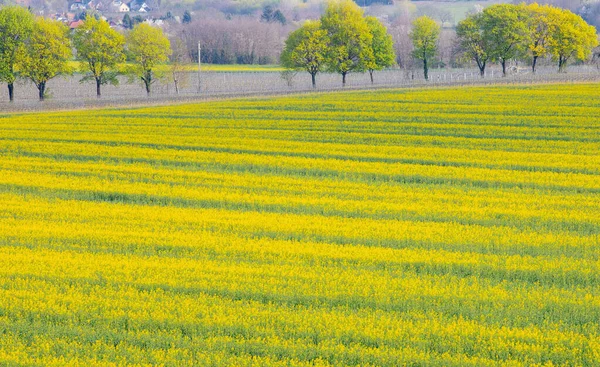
<point x="437" y="227"/>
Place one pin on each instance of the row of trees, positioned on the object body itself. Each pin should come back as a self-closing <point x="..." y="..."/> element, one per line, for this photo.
<point x="342" y="41"/>
<point x="40" y="49"/>
<point x="507" y="32"/>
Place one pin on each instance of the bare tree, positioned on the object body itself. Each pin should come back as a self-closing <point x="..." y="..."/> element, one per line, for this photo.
<point x="400" y="31"/>
<point x="239" y="39"/>
<point x="179" y="58"/>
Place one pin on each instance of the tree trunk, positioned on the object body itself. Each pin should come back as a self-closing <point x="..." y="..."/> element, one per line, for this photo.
<point x="562" y="64"/>
<point x="425" y="69"/>
<point x="482" y="70"/>
<point x="313" y="77"/>
<point x="98" y="93"/>
<point x="11" y="92"/>
<point x="343" y="79"/>
<point x="42" y="90"/>
<point x="534" y="63"/>
<point x="503" y="67"/>
<point x="371" y="74"/>
<point x="147" y="81"/>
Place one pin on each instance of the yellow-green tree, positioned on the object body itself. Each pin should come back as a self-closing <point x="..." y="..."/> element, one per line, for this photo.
<point x="148" y="47"/>
<point x="571" y="38"/>
<point x="100" y="49"/>
<point x="306" y="49"/>
<point x="505" y="31"/>
<point x="46" y="53"/>
<point x="16" y="25"/>
<point x="541" y="22"/>
<point x="472" y="42"/>
<point x="425" y="34"/>
<point x="382" y="46"/>
<point x="349" y="38"/>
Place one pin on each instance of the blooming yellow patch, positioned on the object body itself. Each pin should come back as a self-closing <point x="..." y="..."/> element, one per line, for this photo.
<point x="434" y="227"/>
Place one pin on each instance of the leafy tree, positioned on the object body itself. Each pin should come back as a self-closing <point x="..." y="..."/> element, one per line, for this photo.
<point x="270" y="15"/>
<point x="46" y="53"/>
<point x="472" y="42"/>
<point x="540" y="24"/>
<point x="505" y="31"/>
<point x="127" y="22"/>
<point x="279" y="17"/>
<point x="424" y="36"/>
<point x="382" y="46"/>
<point x="305" y="49"/>
<point x="16" y="25"/>
<point x="100" y="49"/>
<point x="148" y="47"/>
<point x="187" y="17"/>
<point x="571" y="38"/>
<point x="267" y="14"/>
<point x="350" y="38"/>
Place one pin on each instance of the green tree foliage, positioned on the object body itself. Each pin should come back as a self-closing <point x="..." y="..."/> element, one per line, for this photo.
<point x="473" y="44"/>
<point x="100" y="49"/>
<point x="382" y="46"/>
<point x="541" y="23"/>
<point x="425" y="35"/>
<point x="306" y="49"/>
<point x="16" y="25"/>
<point x="350" y="39"/>
<point x="271" y="15"/>
<point x="46" y="53"/>
<point x="187" y="17"/>
<point x="505" y="30"/>
<point x="572" y="38"/>
<point x="127" y="22"/>
<point x="148" y="47"/>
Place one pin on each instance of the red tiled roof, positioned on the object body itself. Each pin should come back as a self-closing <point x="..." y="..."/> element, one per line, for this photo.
<point x="76" y="24"/>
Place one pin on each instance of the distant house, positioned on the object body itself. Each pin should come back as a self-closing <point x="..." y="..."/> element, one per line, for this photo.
<point x="93" y="5"/>
<point x="139" y="6"/>
<point x="77" y="5"/>
<point x="120" y="7"/>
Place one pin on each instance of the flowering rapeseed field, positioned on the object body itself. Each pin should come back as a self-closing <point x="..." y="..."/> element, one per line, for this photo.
<point x="433" y="227"/>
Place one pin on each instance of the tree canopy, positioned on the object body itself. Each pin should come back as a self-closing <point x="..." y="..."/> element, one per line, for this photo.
<point x="46" y="53"/>
<point x="425" y="35"/>
<point x="350" y="39"/>
<point x="472" y="41"/>
<point x="16" y="26"/>
<point x="539" y="23"/>
<point x="505" y="29"/>
<point x="306" y="49"/>
<point x="148" y="47"/>
<point x="382" y="46"/>
<point x="100" y="49"/>
<point x="571" y="38"/>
